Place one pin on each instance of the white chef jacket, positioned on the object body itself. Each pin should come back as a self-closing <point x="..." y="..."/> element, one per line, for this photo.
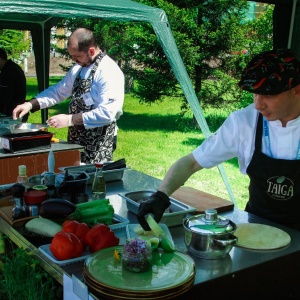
<point x="107" y="92"/>
<point x="236" y="138"/>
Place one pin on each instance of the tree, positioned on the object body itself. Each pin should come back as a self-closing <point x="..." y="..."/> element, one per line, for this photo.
<point x="210" y="36"/>
<point x="206" y="33"/>
<point x="260" y="31"/>
<point x="14" y="43"/>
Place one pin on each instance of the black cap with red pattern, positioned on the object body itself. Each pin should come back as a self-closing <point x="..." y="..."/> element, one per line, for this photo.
<point x="271" y="72"/>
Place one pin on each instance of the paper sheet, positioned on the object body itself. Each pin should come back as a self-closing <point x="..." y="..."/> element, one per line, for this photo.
<point x="74" y="289"/>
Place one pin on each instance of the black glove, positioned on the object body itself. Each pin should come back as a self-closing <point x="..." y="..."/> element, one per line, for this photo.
<point x="157" y="204"/>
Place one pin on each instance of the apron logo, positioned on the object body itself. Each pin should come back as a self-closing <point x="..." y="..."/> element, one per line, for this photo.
<point x="280" y="188"/>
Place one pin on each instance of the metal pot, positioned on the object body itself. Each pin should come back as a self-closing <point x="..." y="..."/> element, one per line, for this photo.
<point x="208" y="235"/>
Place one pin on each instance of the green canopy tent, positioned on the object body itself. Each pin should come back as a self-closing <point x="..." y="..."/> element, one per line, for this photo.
<point x="38" y="16"/>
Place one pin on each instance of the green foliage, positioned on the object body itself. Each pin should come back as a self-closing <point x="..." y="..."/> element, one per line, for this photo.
<point x="219" y="91"/>
<point x="14" y="42"/>
<point x="152" y="137"/>
<point x="23" y="278"/>
<point x="210" y="36"/>
<point x="259" y="32"/>
<point x="205" y="33"/>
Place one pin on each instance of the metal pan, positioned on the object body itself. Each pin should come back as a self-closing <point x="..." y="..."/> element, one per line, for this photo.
<point x="27" y="127"/>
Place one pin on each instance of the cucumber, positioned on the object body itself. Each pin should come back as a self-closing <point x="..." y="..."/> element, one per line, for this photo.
<point x="56" y="208"/>
<point x="43" y="227"/>
<point x="157" y="230"/>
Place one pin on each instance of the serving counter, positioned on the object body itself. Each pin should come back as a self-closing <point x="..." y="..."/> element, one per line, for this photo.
<point x="36" y="160"/>
<point x="243" y="273"/>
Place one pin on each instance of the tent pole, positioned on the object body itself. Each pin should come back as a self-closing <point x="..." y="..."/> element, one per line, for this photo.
<point x="292" y="24"/>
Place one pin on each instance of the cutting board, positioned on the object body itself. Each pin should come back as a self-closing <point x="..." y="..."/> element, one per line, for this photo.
<point x="6" y="206"/>
<point x="261" y="237"/>
<point x="201" y="200"/>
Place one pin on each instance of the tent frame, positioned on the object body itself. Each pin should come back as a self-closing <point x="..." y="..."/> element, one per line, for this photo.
<point x="39" y="16"/>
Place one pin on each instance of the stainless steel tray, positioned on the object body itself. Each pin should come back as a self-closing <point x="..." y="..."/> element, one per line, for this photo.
<point x="173" y="216"/>
<point x="109" y="175"/>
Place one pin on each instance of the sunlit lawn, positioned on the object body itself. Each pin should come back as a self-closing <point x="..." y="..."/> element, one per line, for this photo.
<point x="151" y="138"/>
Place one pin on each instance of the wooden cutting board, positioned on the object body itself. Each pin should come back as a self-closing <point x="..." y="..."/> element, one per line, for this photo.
<point x="6" y="206"/>
<point x="260" y="236"/>
<point x="201" y="200"/>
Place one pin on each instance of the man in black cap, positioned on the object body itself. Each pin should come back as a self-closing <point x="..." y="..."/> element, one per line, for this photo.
<point x="264" y="136"/>
<point x="12" y="85"/>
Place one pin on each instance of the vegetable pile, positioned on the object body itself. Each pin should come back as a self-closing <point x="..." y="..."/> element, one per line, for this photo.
<point x="74" y="228"/>
<point x="75" y="237"/>
<point x="156" y="236"/>
<point x="92" y="212"/>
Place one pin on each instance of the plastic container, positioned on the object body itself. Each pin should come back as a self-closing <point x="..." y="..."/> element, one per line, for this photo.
<point x="34" y="197"/>
<point x="73" y="185"/>
<point x="45" y="249"/>
<point x="22" y="142"/>
<point x="31" y="210"/>
<point x="22" y="177"/>
<point x="118" y="223"/>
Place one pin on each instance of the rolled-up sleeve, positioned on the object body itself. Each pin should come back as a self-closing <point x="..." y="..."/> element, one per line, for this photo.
<point x="60" y="91"/>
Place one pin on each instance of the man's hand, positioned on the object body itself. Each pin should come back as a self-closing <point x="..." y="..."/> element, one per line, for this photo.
<point x="157" y="204"/>
<point x="59" y="121"/>
<point x="21" y="110"/>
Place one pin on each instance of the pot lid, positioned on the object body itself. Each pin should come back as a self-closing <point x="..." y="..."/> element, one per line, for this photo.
<point x="209" y="222"/>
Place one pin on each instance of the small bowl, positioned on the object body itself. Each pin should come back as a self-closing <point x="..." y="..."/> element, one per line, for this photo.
<point x="40" y="187"/>
<point x="34" y="197"/>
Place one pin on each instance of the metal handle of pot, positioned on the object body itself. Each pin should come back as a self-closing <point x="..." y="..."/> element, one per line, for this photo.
<point x="232" y="241"/>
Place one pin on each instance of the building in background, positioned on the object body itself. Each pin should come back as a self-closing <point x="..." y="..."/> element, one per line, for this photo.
<point x="255" y="10"/>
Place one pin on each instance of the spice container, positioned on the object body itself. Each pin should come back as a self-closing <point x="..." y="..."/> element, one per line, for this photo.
<point x="137" y="255"/>
<point x="32" y="200"/>
<point x="18" y="192"/>
<point x="22" y="176"/>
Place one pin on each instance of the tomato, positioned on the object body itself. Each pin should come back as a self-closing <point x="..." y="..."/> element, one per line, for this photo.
<point x="108" y="239"/>
<point x="70" y="226"/>
<point x="77" y="244"/>
<point x="66" y="245"/>
<point x="79" y="229"/>
<point x="95" y="233"/>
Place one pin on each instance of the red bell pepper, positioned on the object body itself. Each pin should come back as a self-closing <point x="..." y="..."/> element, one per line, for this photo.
<point x="79" y="229"/>
<point x="78" y="246"/>
<point x="95" y="233"/>
<point x="99" y="237"/>
<point x="66" y="245"/>
<point x="108" y="239"/>
<point x="70" y="226"/>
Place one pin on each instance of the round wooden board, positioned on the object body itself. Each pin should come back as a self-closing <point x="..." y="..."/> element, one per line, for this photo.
<point x="261" y="237"/>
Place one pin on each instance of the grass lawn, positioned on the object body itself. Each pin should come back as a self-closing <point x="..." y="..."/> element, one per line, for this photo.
<point x="152" y="137"/>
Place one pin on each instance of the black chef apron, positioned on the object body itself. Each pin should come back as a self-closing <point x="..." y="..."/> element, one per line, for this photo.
<point x="274" y="185"/>
<point x="97" y="142"/>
